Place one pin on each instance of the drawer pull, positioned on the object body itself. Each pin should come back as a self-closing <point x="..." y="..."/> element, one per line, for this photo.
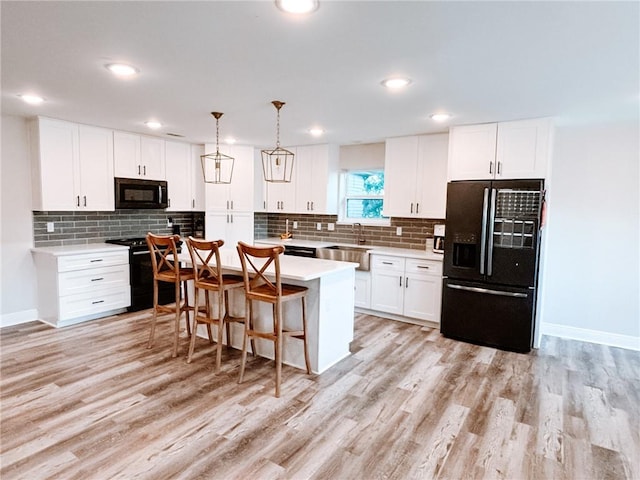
<point x="387" y="263"/>
<point x="97" y="279"/>
<point x="97" y="301"/>
<point x="423" y="266"/>
<point x="97" y="260"/>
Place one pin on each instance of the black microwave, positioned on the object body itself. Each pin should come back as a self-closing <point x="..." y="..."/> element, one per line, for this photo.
<point x="133" y="193"/>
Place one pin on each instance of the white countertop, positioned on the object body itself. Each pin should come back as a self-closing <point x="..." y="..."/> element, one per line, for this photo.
<point x="78" y="249"/>
<point x="396" y="252"/>
<point x="291" y="268"/>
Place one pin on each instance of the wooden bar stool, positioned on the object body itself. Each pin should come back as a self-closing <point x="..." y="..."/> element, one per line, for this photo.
<point x="166" y="268"/>
<point x="207" y="271"/>
<point x="258" y="287"/>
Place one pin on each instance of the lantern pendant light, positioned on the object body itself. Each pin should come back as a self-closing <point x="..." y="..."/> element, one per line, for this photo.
<point x="217" y="167"/>
<point x="277" y="164"/>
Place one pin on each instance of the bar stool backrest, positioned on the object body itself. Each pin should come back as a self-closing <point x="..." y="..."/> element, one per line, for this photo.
<point x="202" y="253"/>
<point x="164" y="254"/>
<point x="255" y="276"/>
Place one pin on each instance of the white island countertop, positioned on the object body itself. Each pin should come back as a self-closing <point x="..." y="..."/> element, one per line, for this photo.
<point x="291" y="268"/>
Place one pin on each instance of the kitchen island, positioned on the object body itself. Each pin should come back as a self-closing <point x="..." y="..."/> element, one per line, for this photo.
<point x="330" y="309"/>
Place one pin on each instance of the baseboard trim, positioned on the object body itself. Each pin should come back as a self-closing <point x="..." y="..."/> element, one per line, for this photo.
<point x="592" y="336"/>
<point x="16" y="318"/>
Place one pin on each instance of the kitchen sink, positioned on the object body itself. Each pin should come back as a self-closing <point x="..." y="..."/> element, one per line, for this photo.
<point x="344" y="253"/>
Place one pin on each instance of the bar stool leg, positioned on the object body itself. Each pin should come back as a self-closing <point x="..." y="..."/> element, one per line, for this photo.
<point x="225" y="320"/>
<point x="192" y="343"/>
<point x="155" y="314"/>
<point x="176" y="334"/>
<point x="243" y="361"/>
<point x="186" y="306"/>
<point x="221" y="314"/>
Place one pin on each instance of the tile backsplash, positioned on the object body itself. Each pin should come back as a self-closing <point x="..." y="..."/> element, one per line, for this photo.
<point x="415" y="231"/>
<point x="76" y="228"/>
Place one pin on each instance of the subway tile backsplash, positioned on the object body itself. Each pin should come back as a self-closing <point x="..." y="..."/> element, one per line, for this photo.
<point x="77" y="228"/>
<point x="414" y="231"/>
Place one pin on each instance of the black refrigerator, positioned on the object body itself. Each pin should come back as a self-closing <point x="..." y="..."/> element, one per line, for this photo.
<point x="491" y="252"/>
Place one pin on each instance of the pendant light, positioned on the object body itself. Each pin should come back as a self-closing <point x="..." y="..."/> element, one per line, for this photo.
<point x="217" y="167"/>
<point x="277" y="164"/>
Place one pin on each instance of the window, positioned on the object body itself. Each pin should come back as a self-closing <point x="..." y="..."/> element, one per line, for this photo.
<point x="362" y="195"/>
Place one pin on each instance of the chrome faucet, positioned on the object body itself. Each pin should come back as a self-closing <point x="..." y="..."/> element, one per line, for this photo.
<point x="357" y="228"/>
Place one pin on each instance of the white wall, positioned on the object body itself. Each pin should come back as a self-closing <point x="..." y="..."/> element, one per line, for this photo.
<point x="591" y="282"/>
<point x="17" y="281"/>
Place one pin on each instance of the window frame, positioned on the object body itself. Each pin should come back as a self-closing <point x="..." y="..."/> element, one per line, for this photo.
<point x="343" y="219"/>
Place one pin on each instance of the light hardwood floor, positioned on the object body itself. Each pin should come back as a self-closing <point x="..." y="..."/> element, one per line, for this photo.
<point x="91" y="402"/>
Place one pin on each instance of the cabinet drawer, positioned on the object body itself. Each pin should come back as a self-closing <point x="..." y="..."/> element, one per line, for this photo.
<point x="387" y="262"/>
<point x="91" y="260"/>
<point x="81" y="304"/>
<point x="93" y="279"/>
<point x="427" y="267"/>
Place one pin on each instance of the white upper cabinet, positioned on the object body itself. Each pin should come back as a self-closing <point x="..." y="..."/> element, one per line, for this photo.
<point x="72" y="166"/>
<point x="472" y="152"/>
<point x="197" y="179"/>
<point x="179" y="171"/>
<point x="416" y="176"/>
<point x="524" y="148"/>
<point x="506" y="150"/>
<point x="137" y="156"/>
<point x="316" y="179"/>
<point x="237" y="195"/>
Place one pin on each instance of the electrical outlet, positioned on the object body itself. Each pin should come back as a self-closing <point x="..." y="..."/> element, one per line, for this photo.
<point x="169" y="222"/>
<point x="50" y="227"/>
<point x="318" y="226"/>
<point x="331" y="227"/>
<point x="295" y="224"/>
<point x="399" y="231"/>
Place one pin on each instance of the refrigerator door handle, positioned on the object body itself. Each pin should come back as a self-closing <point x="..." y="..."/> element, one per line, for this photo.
<point x="492" y="218"/>
<point x="483" y="237"/>
<point x="488" y="291"/>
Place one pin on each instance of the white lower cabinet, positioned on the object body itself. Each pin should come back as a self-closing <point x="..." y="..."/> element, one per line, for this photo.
<point x="408" y="287"/>
<point x="77" y="284"/>
<point x="363" y="289"/>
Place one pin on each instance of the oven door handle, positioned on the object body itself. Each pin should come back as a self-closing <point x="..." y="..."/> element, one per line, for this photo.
<point x="141" y="252"/>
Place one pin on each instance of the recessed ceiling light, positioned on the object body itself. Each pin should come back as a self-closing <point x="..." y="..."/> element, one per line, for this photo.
<point x="32" y="99"/>
<point x="396" y="82"/>
<point x="440" y="117"/>
<point x="230" y="140"/>
<point x="298" y="6"/>
<point x="121" y="69"/>
<point x="153" y="125"/>
<point x="316" y="131"/>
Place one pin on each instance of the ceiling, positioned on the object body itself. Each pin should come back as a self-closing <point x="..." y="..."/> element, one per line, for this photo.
<point x="479" y="61"/>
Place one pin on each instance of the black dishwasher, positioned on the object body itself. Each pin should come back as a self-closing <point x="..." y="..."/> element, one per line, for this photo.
<point x="298" y="251"/>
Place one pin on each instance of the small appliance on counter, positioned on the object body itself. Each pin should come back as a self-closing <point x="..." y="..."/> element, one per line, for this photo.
<point x="438" y="238"/>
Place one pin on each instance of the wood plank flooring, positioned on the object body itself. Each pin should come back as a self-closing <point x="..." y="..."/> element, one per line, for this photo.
<point x="92" y="402"/>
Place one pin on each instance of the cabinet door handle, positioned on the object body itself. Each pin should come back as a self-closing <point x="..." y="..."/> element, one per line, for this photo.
<point x="400" y="280"/>
<point x="138" y="169"/>
<point x="227" y="218"/>
<point x="84" y="197"/>
<point x="98" y="301"/>
<point x="97" y="279"/>
<point x="96" y="260"/>
<point x="311" y="206"/>
<point x="417" y="208"/>
<point x="77" y="200"/>
<point x="490" y="167"/>
<point x="227" y="204"/>
<point x="168" y="202"/>
<point x="499" y="165"/>
<point x="144" y="170"/>
<point x="411" y="207"/>
<point x="193" y="203"/>
<point x="232" y="218"/>
<point x="308" y="206"/>
<point x="231" y="204"/>
<point x="406" y="282"/>
<point x="264" y="204"/>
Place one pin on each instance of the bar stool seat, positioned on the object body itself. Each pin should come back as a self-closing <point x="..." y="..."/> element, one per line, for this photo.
<point x="166" y="268"/>
<point x="258" y="287"/>
<point x="208" y="278"/>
